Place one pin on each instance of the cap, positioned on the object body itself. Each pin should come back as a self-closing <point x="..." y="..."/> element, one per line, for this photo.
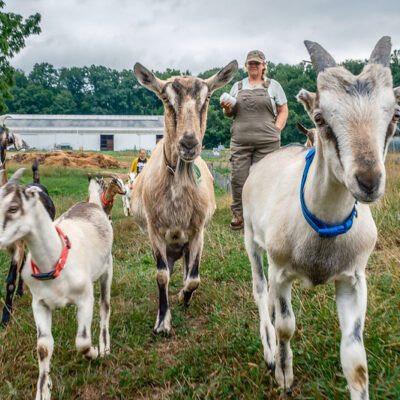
<point x="255" y="55"/>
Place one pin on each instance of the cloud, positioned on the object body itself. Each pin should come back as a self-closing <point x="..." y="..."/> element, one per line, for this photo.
<point x="194" y="35"/>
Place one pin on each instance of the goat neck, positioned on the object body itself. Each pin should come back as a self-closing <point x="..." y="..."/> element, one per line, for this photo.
<point x="326" y="198"/>
<point x="43" y="240"/>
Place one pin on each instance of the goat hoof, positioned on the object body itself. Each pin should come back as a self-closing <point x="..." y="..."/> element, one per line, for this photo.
<point x="185" y="297"/>
<point x="5" y="320"/>
<point x="91" y="353"/>
<point x="163" y="326"/>
<point x="271" y="367"/>
<point x="104" y="352"/>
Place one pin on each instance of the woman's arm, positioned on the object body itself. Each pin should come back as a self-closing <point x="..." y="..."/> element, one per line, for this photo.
<point x="282" y="116"/>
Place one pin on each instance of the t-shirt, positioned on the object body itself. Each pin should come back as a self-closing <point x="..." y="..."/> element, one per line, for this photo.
<point x="141" y="164"/>
<point x="275" y="91"/>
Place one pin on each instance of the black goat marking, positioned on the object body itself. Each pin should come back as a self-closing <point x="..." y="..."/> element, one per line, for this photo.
<point x="42" y="381"/>
<point x="359" y="87"/>
<point x="273" y="315"/>
<point x="330" y="135"/>
<point x="282" y="357"/>
<point x="104" y="334"/>
<point x="39" y="333"/>
<point x="357" y="331"/>
<point x="163" y="302"/>
<point x="284" y="308"/>
<point x="194" y="271"/>
<point x="84" y="333"/>
<point x="267" y="338"/>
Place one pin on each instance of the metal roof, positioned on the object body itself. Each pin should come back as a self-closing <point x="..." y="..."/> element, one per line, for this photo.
<point x="45" y="123"/>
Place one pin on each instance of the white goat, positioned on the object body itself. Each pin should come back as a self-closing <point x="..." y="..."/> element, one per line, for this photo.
<point x="126" y="198"/>
<point x="355" y="118"/>
<point x="65" y="258"/>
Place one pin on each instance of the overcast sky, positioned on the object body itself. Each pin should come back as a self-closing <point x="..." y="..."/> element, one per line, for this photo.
<point x="200" y="34"/>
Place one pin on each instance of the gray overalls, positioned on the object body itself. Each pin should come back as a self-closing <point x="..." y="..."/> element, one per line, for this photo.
<point x="253" y="136"/>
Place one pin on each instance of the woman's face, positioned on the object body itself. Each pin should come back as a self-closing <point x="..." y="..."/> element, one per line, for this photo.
<point x="255" y="69"/>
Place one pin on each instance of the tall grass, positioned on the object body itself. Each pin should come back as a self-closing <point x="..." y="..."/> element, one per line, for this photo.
<point x="214" y="351"/>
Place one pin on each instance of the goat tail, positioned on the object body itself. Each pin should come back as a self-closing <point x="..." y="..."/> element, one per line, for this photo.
<point x="94" y="192"/>
<point x="35" y="171"/>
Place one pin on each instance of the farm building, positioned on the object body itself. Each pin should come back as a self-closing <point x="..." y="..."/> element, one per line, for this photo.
<point x="88" y="132"/>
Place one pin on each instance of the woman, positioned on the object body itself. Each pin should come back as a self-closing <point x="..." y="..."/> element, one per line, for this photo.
<point x="259" y="114"/>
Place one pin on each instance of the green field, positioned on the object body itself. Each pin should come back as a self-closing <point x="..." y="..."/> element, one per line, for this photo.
<point x="214" y="351"/>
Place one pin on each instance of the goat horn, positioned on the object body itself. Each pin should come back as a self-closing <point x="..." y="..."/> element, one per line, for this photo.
<point x="320" y="58"/>
<point x="3" y="119"/>
<point x="14" y="180"/>
<point x="381" y="52"/>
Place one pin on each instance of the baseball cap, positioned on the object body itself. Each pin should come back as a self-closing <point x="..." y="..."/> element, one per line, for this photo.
<point x="255" y="55"/>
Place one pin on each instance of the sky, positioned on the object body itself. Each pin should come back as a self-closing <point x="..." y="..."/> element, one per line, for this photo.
<point x="197" y="35"/>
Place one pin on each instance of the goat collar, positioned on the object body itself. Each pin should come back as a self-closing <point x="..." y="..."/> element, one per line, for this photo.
<point x="104" y="200"/>
<point x="60" y="263"/>
<point x="170" y="168"/>
<point x="323" y="229"/>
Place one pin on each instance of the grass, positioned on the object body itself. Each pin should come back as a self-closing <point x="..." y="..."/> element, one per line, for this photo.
<point x="214" y="351"/>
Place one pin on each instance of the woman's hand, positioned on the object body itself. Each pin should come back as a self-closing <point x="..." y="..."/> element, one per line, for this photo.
<point x="227" y="107"/>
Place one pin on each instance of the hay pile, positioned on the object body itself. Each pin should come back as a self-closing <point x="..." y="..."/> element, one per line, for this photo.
<point x="69" y="159"/>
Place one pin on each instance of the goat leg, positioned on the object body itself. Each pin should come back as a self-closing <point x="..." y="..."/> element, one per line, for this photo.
<point x="10" y="289"/>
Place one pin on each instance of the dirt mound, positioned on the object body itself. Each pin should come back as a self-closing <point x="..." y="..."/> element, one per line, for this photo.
<point x="69" y="159"/>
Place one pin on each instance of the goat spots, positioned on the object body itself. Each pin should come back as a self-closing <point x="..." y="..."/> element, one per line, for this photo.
<point x="284" y="308"/>
<point x="42" y="352"/>
<point x="360" y="376"/>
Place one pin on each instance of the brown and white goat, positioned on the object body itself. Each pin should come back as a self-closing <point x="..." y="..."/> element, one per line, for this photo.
<point x="65" y="258"/>
<point x="107" y="192"/>
<point x="173" y="197"/>
<point x="355" y="118"/>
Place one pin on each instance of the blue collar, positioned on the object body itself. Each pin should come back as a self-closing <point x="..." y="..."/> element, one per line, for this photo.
<point x="324" y="230"/>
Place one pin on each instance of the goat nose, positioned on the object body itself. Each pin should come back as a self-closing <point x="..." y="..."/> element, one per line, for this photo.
<point x="189" y="141"/>
<point x="368" y="182"/>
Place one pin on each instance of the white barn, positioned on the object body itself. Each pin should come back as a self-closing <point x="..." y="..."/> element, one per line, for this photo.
<point x="88" y="132"/>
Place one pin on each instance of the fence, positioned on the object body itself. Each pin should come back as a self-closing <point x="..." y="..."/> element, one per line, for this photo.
<point x="221" y="180"/>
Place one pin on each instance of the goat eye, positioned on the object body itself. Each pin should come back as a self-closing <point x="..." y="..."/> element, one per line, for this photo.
<point x="396" y="115"/>
<point x="13" y="209"/>
<point x="319" y="120"/>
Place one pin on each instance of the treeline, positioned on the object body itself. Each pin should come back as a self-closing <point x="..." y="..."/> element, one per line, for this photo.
<point x="101" y="90"/>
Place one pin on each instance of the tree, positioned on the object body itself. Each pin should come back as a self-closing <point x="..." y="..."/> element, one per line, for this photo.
<point x="13" y="32"/>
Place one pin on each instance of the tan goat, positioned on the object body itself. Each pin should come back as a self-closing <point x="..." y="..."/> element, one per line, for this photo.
<point x="173" y="197"/>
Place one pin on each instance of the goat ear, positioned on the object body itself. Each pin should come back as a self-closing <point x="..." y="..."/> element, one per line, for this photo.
<point x="320" y="58"/>
<point x="307" y="99"/>
<point x="32" y="191"/>
<point x="14" y="180"/>
<point x="381" y="52"/>
<point x="148" y="79"/>
<point x="396" y="91"/>
<point x="302" y="128"/>
<point x="223" y="76"/>
<point x="18" y="142"/>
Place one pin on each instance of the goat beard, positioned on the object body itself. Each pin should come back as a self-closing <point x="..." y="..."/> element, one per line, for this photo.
<point x="184" y="174"/>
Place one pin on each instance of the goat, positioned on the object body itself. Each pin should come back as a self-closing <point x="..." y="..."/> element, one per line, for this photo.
<point x="18" y="250"/>
<point x="355" y="118"/>
<point x="108" y="190"/>
<point x="126" y="198"/>
<point x="83" y="236"/>
<point x="173" y="197"/>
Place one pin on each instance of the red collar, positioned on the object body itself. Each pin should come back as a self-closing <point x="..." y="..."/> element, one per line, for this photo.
<point x="60" y="263"/>
<point x="104" y="200"/>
